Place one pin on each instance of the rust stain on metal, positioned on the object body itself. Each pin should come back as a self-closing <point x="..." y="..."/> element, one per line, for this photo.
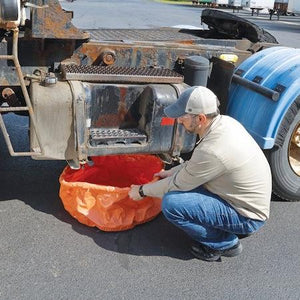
<point x="108" y="121"/>
<point x="53" y="22"/>
<point x="125" y="55"/>
<point x="91" y="50"/>
<point x="144" y="55"/>
<point x="9" y="25"/>
<point x="108" y="57"/>
<point x="122" y="109"/>
<point x="186" y="42"/>
<point x="4" y="82"/>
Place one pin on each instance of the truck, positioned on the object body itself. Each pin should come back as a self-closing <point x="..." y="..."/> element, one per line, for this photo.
<point x="258" y="5"/>
<point x="220" y="2"/>
<point x="293" y="7"/>
<point x="261" y="4"/>
<point x="103" y="91"/>
<point x="280" y="6"/>
<point x="235" y="3"/>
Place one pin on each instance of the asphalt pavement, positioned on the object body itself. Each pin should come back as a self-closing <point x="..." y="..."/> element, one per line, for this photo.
<point x="46" y="254"/>
<point x="149" y="14"/>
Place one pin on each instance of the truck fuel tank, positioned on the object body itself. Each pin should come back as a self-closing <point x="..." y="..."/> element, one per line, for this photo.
<point x="92" y="119"/>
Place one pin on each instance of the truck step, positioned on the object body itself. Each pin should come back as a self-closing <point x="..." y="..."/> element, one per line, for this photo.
<point x="109" y="136"/>
<point x="120" y="74"/>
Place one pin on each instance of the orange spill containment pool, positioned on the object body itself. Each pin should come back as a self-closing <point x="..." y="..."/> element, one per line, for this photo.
<point x="98" y="195"/>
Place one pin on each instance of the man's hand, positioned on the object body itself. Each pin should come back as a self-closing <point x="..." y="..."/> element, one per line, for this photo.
<point x="163" y="174"/>
<point x="134" y="192"/>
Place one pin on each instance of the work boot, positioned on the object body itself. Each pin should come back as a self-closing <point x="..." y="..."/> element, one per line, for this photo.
<point x="203" y="252"/>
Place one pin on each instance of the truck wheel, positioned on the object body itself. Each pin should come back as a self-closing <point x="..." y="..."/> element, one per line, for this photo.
<point x="284" y="158"/>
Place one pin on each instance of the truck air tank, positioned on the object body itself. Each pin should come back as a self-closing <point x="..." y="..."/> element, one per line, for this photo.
<point x="196" y="70"/>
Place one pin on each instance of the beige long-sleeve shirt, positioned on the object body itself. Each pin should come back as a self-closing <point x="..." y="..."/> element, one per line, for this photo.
<point x="229" y="163"/>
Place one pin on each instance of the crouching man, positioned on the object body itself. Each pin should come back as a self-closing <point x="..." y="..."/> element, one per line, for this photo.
<point x="224" y="190"/>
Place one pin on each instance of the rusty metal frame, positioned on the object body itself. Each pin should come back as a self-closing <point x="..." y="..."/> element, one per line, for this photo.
<point x="52" y="22"/>
<point x="14" y="58"/>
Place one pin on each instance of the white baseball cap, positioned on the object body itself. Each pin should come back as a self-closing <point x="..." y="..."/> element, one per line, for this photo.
<point x="194" y="100"/>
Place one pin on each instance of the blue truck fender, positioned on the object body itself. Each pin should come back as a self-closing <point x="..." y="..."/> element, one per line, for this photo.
<point x="275" y="68"/>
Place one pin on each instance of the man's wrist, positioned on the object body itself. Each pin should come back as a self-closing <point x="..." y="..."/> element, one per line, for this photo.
<point x="141" y="192"/>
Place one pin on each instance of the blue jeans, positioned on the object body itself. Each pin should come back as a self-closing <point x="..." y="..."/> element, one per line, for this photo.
<point x="207" y="218"/>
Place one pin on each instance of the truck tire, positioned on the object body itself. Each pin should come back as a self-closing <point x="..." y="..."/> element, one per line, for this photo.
<point x="284" y="157"/>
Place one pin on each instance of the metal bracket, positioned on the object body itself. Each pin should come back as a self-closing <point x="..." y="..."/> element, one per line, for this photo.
<point x="28" y="107"/>
<point x="80" y="126"/>
<point x="28" y="4"/>
<point x="177" y="142"/>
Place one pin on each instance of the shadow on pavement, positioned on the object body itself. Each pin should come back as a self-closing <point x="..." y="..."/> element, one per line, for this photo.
<point x="36" y="184"/>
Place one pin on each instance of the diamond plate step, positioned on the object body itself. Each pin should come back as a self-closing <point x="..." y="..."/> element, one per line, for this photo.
<point x="168" y="34"/>
<point x="120" y="74"/>
<point x="109" y="136"/>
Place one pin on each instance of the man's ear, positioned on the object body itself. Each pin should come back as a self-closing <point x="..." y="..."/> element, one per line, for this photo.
<point x="202" y="118"/>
